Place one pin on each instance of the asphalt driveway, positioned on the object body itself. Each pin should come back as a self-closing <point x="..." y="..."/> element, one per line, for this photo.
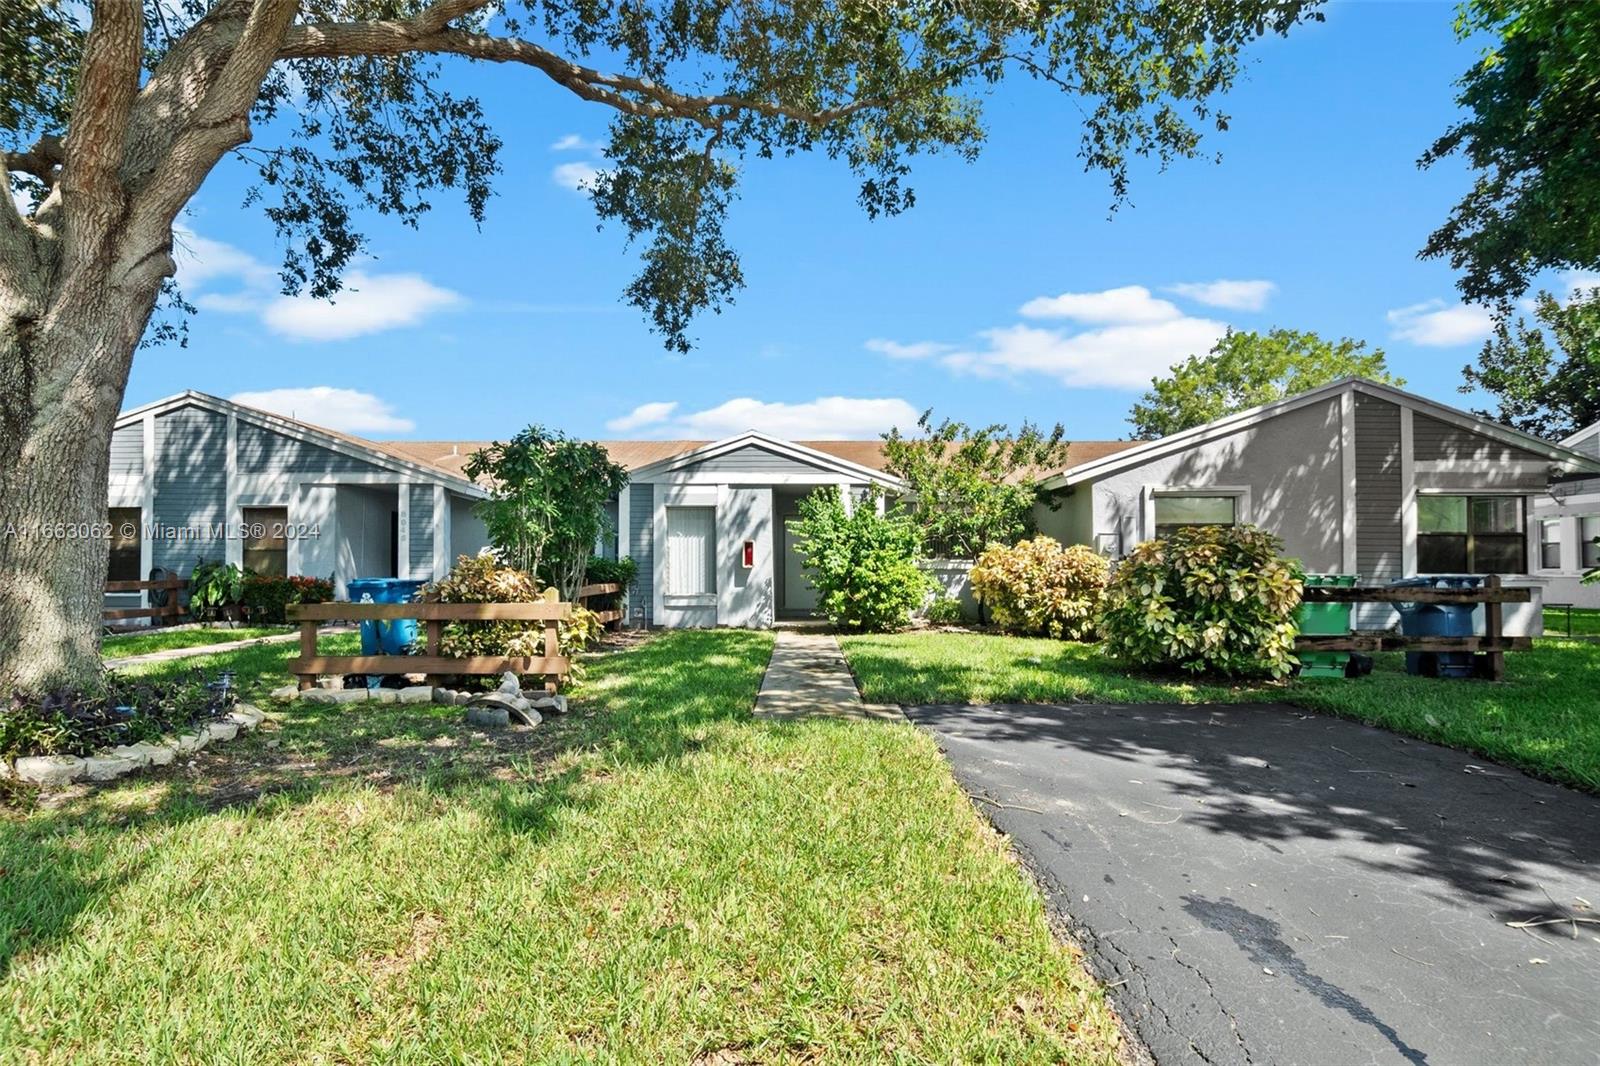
<point x="1260" y="885"/>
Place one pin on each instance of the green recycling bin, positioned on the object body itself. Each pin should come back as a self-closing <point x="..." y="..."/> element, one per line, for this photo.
<point x="1325" y="620"/>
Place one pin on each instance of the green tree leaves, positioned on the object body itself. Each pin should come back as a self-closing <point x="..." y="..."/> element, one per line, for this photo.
<point x="1546" y="377"/>
<point x="1245" y="370"/>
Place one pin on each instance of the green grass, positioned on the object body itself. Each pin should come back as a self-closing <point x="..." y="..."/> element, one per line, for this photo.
<point x="654" y="877"/>
<point x="1543" y="718"/>
<point x="1585" y="621"/>
<point x="124" y="644"/>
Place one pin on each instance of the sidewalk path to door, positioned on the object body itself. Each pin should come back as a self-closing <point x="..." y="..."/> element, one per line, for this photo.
<point x="807" y="678"/>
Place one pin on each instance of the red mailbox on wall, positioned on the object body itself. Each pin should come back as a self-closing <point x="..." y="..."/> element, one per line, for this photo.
<point x="747" y="558"/>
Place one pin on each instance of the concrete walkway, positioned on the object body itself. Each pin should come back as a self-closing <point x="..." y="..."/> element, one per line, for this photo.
<point x="807" y="678"/>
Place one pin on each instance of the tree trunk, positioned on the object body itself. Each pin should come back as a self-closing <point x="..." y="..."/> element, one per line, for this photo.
<point x="65" y="350"/>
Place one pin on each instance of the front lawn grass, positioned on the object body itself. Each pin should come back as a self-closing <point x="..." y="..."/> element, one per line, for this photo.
<point x="1584" y="621"/>
<point x="654" y="877"/>
<point x="120" y="645"/>
<point x="1544" y="717"/>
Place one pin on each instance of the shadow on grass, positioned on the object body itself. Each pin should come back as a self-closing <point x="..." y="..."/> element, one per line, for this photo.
<point x="654" y="703"/>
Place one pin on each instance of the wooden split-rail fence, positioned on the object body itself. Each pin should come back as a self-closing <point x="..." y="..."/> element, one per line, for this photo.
<point x="172" y="609"/>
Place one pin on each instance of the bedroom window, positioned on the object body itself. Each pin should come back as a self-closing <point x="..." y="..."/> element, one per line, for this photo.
<point x="125" y="535"/>
<point x="1471" y="535"/>
<point x="266" y="547"/>
<point x="1589" y="541"/>
<point x="1550" y="544"/>
<point x="691" y="551"/>
<point x="1174" y="512"/>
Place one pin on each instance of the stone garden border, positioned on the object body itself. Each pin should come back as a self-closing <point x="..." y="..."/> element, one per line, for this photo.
<point x="54" y="771"/>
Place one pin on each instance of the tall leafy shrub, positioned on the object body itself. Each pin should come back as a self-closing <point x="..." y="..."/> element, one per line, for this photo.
<point x="1206" y="599"/>
<point x="483" y="579"/>
<point x="864" y="564"/>
<point x="548" y="502"/>
<point x="1040" y="588"/>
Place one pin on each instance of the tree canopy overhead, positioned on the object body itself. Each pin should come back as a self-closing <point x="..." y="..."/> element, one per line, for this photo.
<point x="1544" y="375"/>
<point x="1245" y="370"/>
<point x="114" y="113"/>
<point x="1532" y="134"/>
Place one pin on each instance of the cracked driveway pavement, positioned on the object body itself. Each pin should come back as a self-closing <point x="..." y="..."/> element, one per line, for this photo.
<point x="1260" y="885"/>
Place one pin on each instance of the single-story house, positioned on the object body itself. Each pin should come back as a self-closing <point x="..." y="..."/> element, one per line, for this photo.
<point x="1356" y="477"/>
<point x="194" y="477"/>
<point x="1567" y="528"/>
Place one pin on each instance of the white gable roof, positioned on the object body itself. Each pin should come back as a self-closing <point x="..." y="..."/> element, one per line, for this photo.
<point x="1155" y="449"/>
<point x="301" y="431"/>
<point x="788" y="449"/>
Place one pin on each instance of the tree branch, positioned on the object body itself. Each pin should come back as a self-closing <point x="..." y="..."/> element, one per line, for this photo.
<point x="631" y="95"/>
<point x="108" y="80"/>
<point x="42" y="161"/>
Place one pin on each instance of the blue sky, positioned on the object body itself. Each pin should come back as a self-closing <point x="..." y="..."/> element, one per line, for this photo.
<point x="1007" y="293"/>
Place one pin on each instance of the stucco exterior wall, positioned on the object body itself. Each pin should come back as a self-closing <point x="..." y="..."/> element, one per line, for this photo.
<point x="1291" y="466"/>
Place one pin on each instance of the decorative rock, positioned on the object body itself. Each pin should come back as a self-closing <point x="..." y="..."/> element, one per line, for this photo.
<point x="495" y="717"/>
<point x="509" y="683"/>
<point x="246" y="716"/>
<point x="50" y="770"/>
<point x="189" y="743"/>
<point x="383" y="695"/>
<point x="335" y="695"/>
<point x="135" y="754"/>
<point x="330" y="682"/>
<point x="222" y="730"/>
<point x="153" y="754"/>
<point x="108" y="767"/>
<point x="417" y="694"/>
<point x="553" y="704"/>
<point x="444" y="696"/>
<point x="6" y="772"/>
<point x="285" y="692"/>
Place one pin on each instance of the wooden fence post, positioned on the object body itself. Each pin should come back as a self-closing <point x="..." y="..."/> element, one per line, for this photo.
<point x="1492" y="629"/>
<point x="552" y="646"/>
<point x="308" y="650"/>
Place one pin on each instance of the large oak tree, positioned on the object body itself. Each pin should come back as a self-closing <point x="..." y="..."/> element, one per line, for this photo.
<point x="112" y="115"/>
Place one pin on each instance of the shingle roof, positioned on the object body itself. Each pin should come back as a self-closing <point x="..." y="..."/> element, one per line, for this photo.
<point x="450" y="456"/>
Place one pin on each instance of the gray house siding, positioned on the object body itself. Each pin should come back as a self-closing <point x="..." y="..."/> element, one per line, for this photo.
<point x="191" y="485"/>
<point x="421" y="538"/>
<point x="1436" y="441"/>
<point x="127" y="452"/>
<point x="1588" y="445"/>
<point x="1378" y="496"/>
<point x="641" y="538"/>
<point x="753" y="460"/>
<point x="261" y="451"/>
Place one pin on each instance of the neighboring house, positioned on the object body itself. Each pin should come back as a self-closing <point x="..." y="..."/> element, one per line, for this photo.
<point x="1356" y="477"/>
<point x="194" y="476"/>
<point x="1567" y="523"/>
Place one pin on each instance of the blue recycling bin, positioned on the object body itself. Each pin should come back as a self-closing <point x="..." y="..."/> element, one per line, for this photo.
<point x="1438" y="620"/>
<point x="385" y="636"/>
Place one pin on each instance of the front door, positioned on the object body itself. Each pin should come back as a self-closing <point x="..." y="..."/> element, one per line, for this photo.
<point x="799" y="595"/>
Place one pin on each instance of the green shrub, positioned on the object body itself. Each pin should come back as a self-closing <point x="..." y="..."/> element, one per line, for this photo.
<point x="1039" y="588"/>
<point x="483" y="579"/>
<point x="214" y="587"/>
<point x="265" y="598"/>
<point x="863" y="564"/>
<point x="1207" y="599"/>
<point x="945" y="611"/>
<point x="115" y="710"/>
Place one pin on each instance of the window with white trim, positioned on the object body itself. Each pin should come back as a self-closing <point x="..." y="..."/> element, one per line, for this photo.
<point x="1175" y="511"/>
<point x="691" y="551"/>
<point x="1471" y="535"/>
<point x="125" y="546"/>
<point x="1550" y="544"/>
<point x="1589" y="541"/>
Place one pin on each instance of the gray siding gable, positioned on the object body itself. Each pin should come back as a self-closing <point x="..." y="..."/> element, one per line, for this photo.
<point x="1436" y="441"/>
<point x="421" y="540"/>
<point x="1378" y="496"/>
<point x="754" y="459"/>
<point x="266" y="451"/>
<point x="127" y="451"/>
<point x="190" y="483"/>
<point x="640" y="543"/>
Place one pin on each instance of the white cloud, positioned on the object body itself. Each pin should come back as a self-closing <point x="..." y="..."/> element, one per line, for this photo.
<point x="369" y="303"/>
<point x="579" y="177"/>
<point x="348" y="410"/>
<point x="646" y="414"/>
<point x="1121" y="356"/>
<point x="1128" y="304"/>
<point x="1436" y="324"/>
<point x="1231" y="295"/>
<point x="1579" y="283"/>
<point x="202" y="260"/>
<point x="572" y="142"/>
<point x="825" y="418"/>
<point x="914" y="350"/>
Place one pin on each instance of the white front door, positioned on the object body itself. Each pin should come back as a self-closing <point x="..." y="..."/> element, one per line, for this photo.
<point x="798" y="592"/>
